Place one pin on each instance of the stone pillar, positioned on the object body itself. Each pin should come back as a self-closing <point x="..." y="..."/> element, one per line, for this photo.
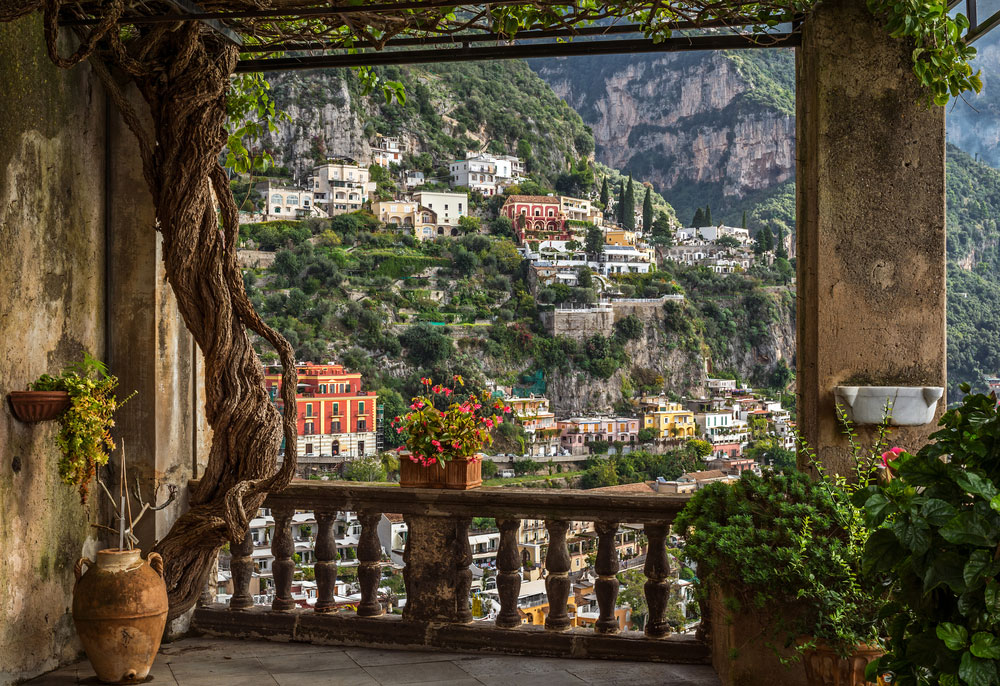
<point x="871" y="223"/>
<point x="433" y="557"/>
<point x="150" y="349"/>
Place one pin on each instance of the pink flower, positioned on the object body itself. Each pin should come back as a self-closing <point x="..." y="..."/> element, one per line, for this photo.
<point x="456" y="445"/>
<point x="448" y="392"/>
<point x="431" y="461"/>
<point x="488" y="422"/>
<point x="891" y="454"/>
<point x="506" y="410"/>
<point x="436" y="442"/>
<point x="499" y="419"/>
<point x="440" y="449"/>
<point x="399" y="429"/>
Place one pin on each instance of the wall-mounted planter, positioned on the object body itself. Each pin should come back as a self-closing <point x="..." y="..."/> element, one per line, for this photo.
<point x="908" y="405"/>
<point x="38" y="406"/>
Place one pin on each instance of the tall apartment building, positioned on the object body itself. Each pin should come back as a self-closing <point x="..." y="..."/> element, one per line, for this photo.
<point x="340" y="187"/>
<point x="335" y="417"/>
<point x="476" y="173"/>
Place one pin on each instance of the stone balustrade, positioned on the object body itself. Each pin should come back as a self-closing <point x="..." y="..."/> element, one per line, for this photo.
<point x="438" y="579"/>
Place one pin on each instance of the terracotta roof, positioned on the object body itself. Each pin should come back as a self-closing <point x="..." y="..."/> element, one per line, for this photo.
<point x="641" y="487"/>
<point x="394" y="518"/>
<point x="532" y="198"/>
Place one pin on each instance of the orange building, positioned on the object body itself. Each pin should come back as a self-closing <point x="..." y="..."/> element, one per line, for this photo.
<point x="335" y="416"/>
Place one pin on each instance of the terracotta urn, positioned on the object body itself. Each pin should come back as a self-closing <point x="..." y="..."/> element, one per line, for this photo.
<point x="38" y="406"/>
<point x="120" y="611"/>
<point x="824" y="667"/>
<point x="460" y="474"/>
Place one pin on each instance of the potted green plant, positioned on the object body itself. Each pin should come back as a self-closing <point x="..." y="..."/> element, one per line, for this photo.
<point x="938" y="543"/>
<point x="780" y="555"/>
<point x="443" y="437"/>
<point x="84" y="433"/>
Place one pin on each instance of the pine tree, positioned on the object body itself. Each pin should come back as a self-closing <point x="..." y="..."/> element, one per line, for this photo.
<point x="708" y="215"/>
<point x="647" y="210"/>
<point x="628" y="212"/>
<point x="699" y="218"/>
<point x="604" y="193"/>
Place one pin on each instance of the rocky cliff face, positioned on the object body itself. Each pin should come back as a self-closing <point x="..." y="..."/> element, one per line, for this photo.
<point x="323" y="122"/>
<point x="701" y="127"/>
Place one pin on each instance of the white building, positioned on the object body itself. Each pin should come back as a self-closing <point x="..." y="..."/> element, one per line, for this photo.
<point x="449" y="208"/>
<point x="713" y="233"/>
<point x="282" y="202"/>
<point x="386" y="151"/>
<point x="414" y="179"/>
<point x="340" y="187"/>
<point x="477" y="173"/>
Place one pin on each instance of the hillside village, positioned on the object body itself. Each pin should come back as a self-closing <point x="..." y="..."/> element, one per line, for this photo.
<point x="624" y="342"/>
<point x="577" y="256"/>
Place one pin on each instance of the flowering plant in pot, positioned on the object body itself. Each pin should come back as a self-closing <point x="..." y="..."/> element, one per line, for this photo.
<point x="443" y="436"/>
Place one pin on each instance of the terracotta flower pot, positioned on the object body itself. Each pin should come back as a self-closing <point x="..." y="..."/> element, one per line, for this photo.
<point x="461" y="474"/>
<point x="120" y="610"/>
<point x="38" y="406"/>
<point x="824" y="667"/>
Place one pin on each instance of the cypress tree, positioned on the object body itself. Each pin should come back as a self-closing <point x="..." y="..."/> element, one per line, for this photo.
<point x="744" y="224"/>
<point x="628" y="212"/>
<point x="699" y="218"/>
<point x="620" y="207"/>
<point x="604" y="193"/>
<point x="708" y="215"/>
<point x="647" y="210"/>
<point x="779" y="247"/>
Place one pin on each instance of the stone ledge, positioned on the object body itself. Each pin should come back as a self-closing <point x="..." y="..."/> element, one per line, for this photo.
<point x="393" y="632"/>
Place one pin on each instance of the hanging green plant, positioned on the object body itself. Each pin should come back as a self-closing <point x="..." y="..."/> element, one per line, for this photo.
<point x="84" y="434"/>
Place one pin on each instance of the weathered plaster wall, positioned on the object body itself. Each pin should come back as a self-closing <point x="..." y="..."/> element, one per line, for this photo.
<point x="871" y="231"/>
<point x="51" y="310"/>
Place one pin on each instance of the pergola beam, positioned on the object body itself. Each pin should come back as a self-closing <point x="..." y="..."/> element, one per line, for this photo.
<point x="532" y="50"/>
<point x="189" y="8"/>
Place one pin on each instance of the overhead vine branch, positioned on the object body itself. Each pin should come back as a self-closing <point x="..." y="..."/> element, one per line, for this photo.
<point x="184" y="73"/>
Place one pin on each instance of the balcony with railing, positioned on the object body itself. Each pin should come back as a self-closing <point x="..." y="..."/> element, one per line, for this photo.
<point x="438" y="555"/>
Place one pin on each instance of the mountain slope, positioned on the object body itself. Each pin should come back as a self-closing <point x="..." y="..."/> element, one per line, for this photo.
<point x="704" y="128"/>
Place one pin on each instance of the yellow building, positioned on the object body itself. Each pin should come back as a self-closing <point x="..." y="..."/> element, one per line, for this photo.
<point x="409" y="215"/>
<point x="668" y="419"/>
<point x="619" y="237"/>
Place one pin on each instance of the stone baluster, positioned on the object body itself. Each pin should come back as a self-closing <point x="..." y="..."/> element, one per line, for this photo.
<point x="370" y="565"/>
<point x="557" y="585"/>
<point x="283" y="568"/>
<point x="606" y="587"/>
<point x="657" y="586"/>
<point x="326" y="561"/>
<point x="508" y="574"/>
<point x="463" y="575"/>
<point x="241" y="568"/>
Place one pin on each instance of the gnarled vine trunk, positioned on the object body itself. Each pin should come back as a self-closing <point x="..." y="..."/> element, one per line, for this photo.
<point x="183" y="72"/>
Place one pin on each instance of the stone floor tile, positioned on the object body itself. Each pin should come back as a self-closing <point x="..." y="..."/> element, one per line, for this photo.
<point x="215" y="673"/>
<point x="60" y="677"/>
<point x="318" y="659"/>
<point x="555" y="678"/>
<point x="372" y="657"/>
<point x="639" y="673"/>
<point x="418" y="673"/>
<point x="512" y="664"/>
<point x="355" y="676"/>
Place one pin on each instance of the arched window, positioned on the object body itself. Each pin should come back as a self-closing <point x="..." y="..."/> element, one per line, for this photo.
<point x="335" y="448"/>
<point x="292" y="200"/>
<point x="538" y="212"/>
<point x="276" y="198"/>
<point x="551" y="212"/>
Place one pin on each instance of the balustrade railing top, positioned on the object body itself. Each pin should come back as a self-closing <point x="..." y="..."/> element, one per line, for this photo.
<point x="438" y="557"/>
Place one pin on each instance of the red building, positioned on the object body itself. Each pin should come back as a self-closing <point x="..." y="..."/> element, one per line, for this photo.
<point x="536" y="218"/>
<point x="335" y="416"/>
